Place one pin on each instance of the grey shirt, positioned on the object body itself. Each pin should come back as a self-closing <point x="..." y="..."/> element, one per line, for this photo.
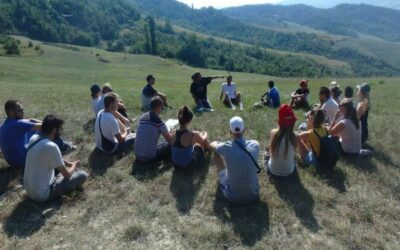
<point x="242" y="173"/>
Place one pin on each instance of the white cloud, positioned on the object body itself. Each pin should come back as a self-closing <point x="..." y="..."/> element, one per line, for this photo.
<point x="224" y="3"/>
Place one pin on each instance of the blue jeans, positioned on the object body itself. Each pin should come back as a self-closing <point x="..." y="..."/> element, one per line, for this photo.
<point x="203" y="103"/>
<point x="311" y="159"/>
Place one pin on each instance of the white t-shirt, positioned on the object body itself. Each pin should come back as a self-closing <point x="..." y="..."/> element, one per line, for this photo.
<point x="41" y="160"/>
<point x="109" y="128"/>
<point x="330" y="107"/>
<point x="95" y="104"/>
<point x="282" y="165"/>
<point x="99" y="105"/>
<point x="350" y="137"/>
<point x="229" y="89"/>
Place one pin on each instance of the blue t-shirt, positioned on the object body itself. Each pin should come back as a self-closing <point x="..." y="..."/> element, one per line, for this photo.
<point x="14" y="136"/>
<point x="274" y="98"/>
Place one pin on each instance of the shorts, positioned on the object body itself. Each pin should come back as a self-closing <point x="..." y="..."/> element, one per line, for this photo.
<point x="311" y="159"/>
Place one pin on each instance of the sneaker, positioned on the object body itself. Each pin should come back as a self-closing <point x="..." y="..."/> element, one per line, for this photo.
<point x="365" y="152"/>
<point x="241" y="106"/>
<point x="233" y="107"/>
<point x="208" y="110"/>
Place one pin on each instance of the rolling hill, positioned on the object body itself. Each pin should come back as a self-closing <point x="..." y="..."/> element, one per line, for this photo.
<point x="393" y="4"/>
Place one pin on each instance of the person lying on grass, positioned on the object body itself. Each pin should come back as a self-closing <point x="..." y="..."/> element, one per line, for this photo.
<point x="229" y="96"/>
<point x="282" y="148"/>
<point x="300" y="96"/>
<point x="149" y="92"/>
<point x="198" y="89"/>
<point x="236" y="163"/>
<point x="188" y="146"/>
<point x="16" y="132"/>
<point x="111" y="135"/>
<point x="43" y="156"/>
<point x="149" y="129"/>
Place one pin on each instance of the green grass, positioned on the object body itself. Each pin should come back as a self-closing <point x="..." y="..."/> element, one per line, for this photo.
<point x="357" y="207"/>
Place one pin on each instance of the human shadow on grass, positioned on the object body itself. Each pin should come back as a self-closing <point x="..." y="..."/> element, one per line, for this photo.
<point x="291" y="190"/>
<point x="88" y="127"/>
<point x="28" y="217"/>
<point x="7" y="176"/>
<point x="186" y="183"/>
<point x="335" y="178"/>
<point x="362" y="163"/>
<point x="382" y="157"/>
<point x="250" y="221"/>
<point x="100" y="162"/>
<point x="149" y="171"/>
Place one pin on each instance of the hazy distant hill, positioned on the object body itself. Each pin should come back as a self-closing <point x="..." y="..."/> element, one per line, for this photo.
<point x="394" y="4"/>
<point x="344" y="19"/>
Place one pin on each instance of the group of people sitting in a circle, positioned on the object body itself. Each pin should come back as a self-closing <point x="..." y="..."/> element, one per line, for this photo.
<point x="334" y="125"/>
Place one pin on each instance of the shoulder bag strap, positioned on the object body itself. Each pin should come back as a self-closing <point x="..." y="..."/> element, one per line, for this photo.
<point x="33" y="144"/>
<point x="251" y="157"/>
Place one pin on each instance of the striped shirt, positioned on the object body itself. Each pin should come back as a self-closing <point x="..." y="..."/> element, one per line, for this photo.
<point x="148" y="132"/>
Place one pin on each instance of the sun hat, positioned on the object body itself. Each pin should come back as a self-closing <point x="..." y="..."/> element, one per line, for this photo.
<point x="304" y="83"/>
<point x="364" y="87"/>
<point x="236" y="125"/>
<point x="287" y="117"/>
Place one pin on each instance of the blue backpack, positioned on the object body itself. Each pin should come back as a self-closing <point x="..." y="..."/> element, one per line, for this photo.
<point x="329" y="152"/>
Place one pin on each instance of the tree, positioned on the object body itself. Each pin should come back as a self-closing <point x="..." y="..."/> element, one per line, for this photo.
<point x="151" y="45"/>
<point x="191" y="52"/>
<point x="168" y="27"/>
<point x="11" y="47"/>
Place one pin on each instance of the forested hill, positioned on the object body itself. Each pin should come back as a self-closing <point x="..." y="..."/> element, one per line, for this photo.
<point x="344" y="19"/>
<point x="392" y="4"/>
<point x="83" y="22"/>
<point x="147" y="26"/>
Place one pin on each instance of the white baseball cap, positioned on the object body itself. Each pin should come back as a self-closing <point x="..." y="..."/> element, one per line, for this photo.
<point x="236" y="125"/>
<point x="334" y="84"/>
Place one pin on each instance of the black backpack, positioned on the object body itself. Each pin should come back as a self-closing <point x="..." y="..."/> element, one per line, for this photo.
<point x="329" y="152"/>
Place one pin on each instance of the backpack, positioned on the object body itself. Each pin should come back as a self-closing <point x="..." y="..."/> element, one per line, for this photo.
<point x="329" y="152"/>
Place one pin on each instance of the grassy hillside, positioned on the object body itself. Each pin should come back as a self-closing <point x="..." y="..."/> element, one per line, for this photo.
<point x="357" y="206"/>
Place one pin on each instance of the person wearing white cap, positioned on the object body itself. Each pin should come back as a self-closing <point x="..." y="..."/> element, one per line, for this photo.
<point x="237" y="166"/>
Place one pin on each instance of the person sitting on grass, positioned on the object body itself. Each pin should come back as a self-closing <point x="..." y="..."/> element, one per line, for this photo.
<point x="149" y="129"/>
<point x="309" y="142"/>
<point x="272" y="96"/>
<point x="149" y="92"/>
<point x="300" y="96"/>
<point x="282" y="148"/>
<point x="198" y="89"/>
<point x="96" y="98"/>
<point x="187" y="146"/>
<point x="16" y="132"/>
<point x="111" y="135"/>
<point x="236" y="163"/>
<point x="43" y="156"/>
<point x="336" y="92"/>
<point x="328" y="105"/>
<point x="363" y="107"/>
<point x="347" y="129"/>
<point x="229" y="96"/>
<point x="348" y="92"/>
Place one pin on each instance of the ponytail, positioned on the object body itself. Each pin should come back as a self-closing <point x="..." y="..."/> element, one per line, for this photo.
<point x="185" y="115"/>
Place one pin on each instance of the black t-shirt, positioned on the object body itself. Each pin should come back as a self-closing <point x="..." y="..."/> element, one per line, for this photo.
<point x="301" y="91"/>
<point x="149" y="91"/>
<point x="199" y="90"/>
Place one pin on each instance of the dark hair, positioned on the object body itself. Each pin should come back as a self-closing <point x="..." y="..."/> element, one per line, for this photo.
<point x="156" y="102"/>
<point x="149" y="77"/>
<point x="110" y="99"/>
<point x="229" y="77"/>
<point x="11" y="105"/>
<point x="185" y="115"/>
<point x="336" y="92"/>
<point x="271" y="84"/>
<point x="195" y="75"/>
<point x="348" y="92"/>
<point x="350" y="112"/>
<point x="51" y="122"/>
<point x="325" y="91"/>
<point x="318" y="117"/>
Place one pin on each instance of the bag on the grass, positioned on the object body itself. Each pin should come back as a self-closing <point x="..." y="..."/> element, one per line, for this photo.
<point x="329" y="152"/>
